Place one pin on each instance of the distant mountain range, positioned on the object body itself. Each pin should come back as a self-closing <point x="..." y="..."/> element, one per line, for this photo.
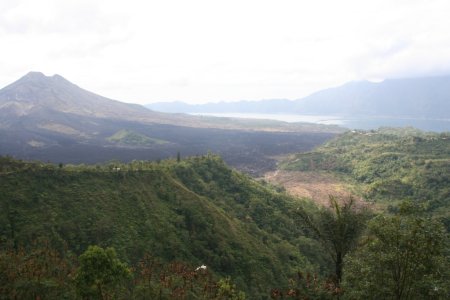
<point x="49" y="118"/>
<point x="427" y="97"/>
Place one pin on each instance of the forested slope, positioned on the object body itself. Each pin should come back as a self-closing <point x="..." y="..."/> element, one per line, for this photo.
<point x="388" y="166"/>
<point x="195" y="210"/>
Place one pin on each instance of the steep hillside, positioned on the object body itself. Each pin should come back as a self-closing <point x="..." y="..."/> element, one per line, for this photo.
<point x="388" y="165"/>
<point x="196" y="210"/>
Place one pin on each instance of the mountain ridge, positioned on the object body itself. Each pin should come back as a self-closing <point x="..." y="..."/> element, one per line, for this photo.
<point x="36" y="91"/>
<point x="404" y="97"/>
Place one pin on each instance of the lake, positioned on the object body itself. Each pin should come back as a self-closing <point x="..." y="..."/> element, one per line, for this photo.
<point x="354" y="122"/>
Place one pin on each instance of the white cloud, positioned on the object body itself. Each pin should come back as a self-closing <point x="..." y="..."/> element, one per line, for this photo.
<point x="209" y="50"/>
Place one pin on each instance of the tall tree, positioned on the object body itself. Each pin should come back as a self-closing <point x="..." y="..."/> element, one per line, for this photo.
<point x="338" y="228"/>
<point x="101" y="274"/>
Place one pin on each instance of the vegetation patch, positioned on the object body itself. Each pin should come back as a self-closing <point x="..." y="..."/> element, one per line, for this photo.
<point x="131" y="138"/>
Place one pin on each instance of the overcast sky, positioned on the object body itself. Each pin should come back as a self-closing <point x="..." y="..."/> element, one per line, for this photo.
<point x="200" y="51"/>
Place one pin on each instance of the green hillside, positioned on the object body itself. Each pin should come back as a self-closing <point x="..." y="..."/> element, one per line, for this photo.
<point x="131" y="138"/>
<point x="388" y="166"/>
<point x="196" y="210"/>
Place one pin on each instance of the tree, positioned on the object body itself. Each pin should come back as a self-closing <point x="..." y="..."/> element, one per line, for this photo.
<point x="402" y="258"/>
<point x="101" y="274"/>
<point x="338" y="228"/>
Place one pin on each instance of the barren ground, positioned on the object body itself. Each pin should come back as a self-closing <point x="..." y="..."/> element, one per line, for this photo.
<point x="314" y="185"/>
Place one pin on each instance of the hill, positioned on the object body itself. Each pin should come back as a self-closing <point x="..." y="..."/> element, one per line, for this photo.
<point x="196" y="210"/>
<point x="51" y="119"/>
<point x="388" y="166"/>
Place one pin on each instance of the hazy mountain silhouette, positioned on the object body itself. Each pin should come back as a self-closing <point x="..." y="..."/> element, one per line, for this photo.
<point x="35" y="91"/>
<point x="426" y="97"/>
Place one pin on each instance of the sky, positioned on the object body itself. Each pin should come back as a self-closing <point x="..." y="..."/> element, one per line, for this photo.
<point x="201" y="51"/>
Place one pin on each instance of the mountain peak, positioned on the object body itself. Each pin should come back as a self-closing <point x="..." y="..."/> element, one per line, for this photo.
<point x="58" y="77"/>
<point x="34" y="75"/>
<point x="36" y="91"/>
<point x="34" y="78"/>
<point x="39" y="76"/>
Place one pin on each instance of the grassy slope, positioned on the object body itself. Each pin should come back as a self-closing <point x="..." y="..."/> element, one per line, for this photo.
<point x="196" y="210"/>
<point x="388" y="165"/>
<point x="131" y="138"/>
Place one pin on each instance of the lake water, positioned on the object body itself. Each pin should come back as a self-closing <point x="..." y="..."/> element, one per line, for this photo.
<point x="328" y="120"/>
<point x="438" y="125"/>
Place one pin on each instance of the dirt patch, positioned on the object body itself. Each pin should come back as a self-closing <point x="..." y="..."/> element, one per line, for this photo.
<point x="313" y="185"/>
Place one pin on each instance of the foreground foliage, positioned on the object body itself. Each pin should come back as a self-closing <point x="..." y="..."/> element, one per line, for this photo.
<point x="405" y="256"/>
<point x="44" y="273"/>
<point x="37" y="272"/>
